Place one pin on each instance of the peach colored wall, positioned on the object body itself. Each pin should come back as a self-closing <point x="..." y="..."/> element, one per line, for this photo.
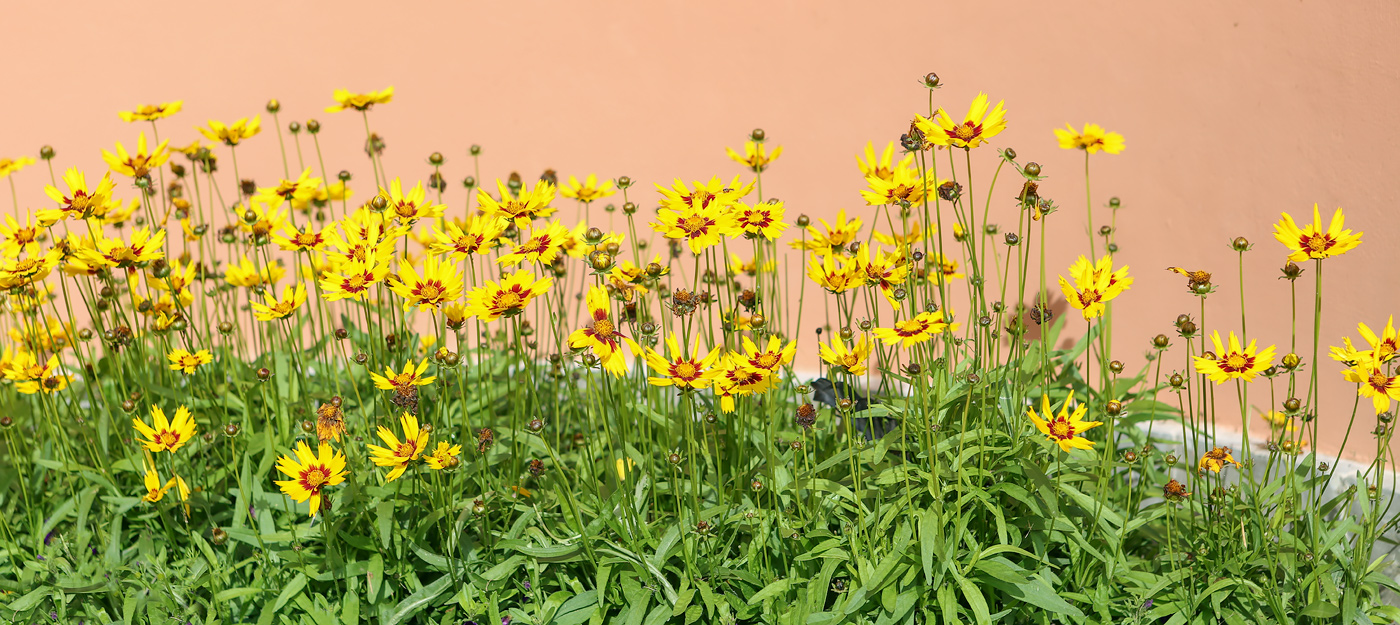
<point x="1232" y="111"/>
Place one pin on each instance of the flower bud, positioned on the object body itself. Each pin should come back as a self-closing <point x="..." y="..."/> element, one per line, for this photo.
<point x="1105" y="230"/>
<point x="1292" y="404"/>
<point x="1170" y="460"/>
<point x="1116" y="366"/>
<point x="263" y="374"/>
<point x="1010" y="153"/>
<point x="435" y="159"/>
<point x="313" y="126"/>
<point x="273" y="105"/>
<point x="1291" y="271"/>
<point x="216" y="535"/>
<point x="46" y="153"/>
<point x="1176" y="380"/>
<point x="1032" y="169"/>
<point x="1012" y="239"/>
<point x="1161" y="341"/>
<point x="1130" y="456"/>
<point x="1113" y="407"/>
<point x="758" y="135"/>
<point x="932" y="82"/>
<point x="361" y="358"/>
<point x="1291" y="361"/>
<point x="475" y="150"/>
<point x="803" y="221"/>
<point x="1240" y="244"/>
<point x="128" y="406"/>
<point x="624" y="182"/>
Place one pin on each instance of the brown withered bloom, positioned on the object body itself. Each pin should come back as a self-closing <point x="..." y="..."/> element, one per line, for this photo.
<point x="806" y="416"/>
<point x="683" y="302"/>
<point x="484" y="439"/>
<point x="330" y="421"/>
<point x="1195" y="279"/>
<point x="1040" y="313"/>
<point x="1174" y="491"/>
<point x="536" y="468"/>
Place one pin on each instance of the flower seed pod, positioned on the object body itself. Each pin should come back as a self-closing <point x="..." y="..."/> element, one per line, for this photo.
<point x="950" y="191"/>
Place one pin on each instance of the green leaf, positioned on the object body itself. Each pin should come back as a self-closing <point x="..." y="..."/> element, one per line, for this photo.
<point x="1321" y="609"/>
<point x="773" y="589"/>
<point x="418" y="600"/>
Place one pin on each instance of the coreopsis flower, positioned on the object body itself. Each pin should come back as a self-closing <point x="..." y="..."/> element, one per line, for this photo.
<point x="764" y="219"/>
<point x="359" y="101"/>
<point x="409" y="207"/>
<point x="904" y="186"/>
<point x="186" y="362"/>
<point x="280" y="308"/>
<point x="850" y="360"/>
<point x="588" y="191"/>
<point x="165" y="435"/>
<point x="1092" y="139"/>
<point x="323" y="195"/>
<point x="1194" y="279"/>
<point x="27" y="268"/>
<point x="1174" y="491"/>
<point x="366" y="240"/>
<point x="80" y="202"/>
<point x="410" y="376"/>
<point x="543" y="247"/>
<point x="735" y="380"/>
<point x="245" y="274"/>
<point x="265" y="220"/>
<point x="700" y="228"/>
<point x="830" y="239"/>
<point x="232" y="134"/>
<point x="602" y="335"/>
<point x="769" y="359"/>
<point x="299" y="190"/>
<point x="144" y="247"/>
<point x="739" y="266"/>
<point x="914" y="234"/>
<point x="1065" y="429"/>
<point x="756" y="156"/>
<point x="11" y="165"/>
<point x="881" y="168"/>
<point x="915" y="330"/>
<point x="1094" y="285"/>
<point x="32" y="378"/>
<point x="399" y="454"/>
<point x="1383" y="347"/>
<point x="1375" y="385"/>
<point x="1216" y="459"/>
<point x="975" y="129"/>
<point x="519" y="209"/>
<point x="1311" y="241"/>
<point x="1232" y="362"/>
<point x="479" y="234"/>
<point x="151" y="112"/>
<point x="456" y="314"/>
<point x="713" y="194"/>
<point x="50" y="335"/>
<point x="443" y="457"/>
<point x="155" y="491"/>
<point x="352" y="280"/>
<point x="311" y="473"/>
<point x="330" y="421"/>
<point x="684" y="373"/>
<point x="16" y="238"/>
<point x="139" y="163"/>
<point x="836" y="274"/>
<point x="946" y="268"/>
<point x="304" y="240"/>
<point x="438" y="284"/>
<point x="887" y="271"/>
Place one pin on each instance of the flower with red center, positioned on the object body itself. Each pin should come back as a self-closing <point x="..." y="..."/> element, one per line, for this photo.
<point x="507" y="298"/>
<point x="881" y="168"/>
<point x="975" y="129"/>
<point x="16" y="238"/>
<point x="23" y="270"/>
<point x="1384" y="347"/>
<point x="887" y="271"/>
<point x="144" y="247"/>
<point x="411" y="206"/>
<point x="1216" y="459"/>
<point x="836" y="274"/>
<point x="305" y="240"/>
<point x="163" y="435"/>
<point x="735" y="379"/>
<point x="410" y="376"/>
<point x="399" y="454"/>
<point x="11" y="165"/>
<point x="1065" y="429"/>
<point x="916" y="330"/>
<point x="151" y="112"/>
<point x="764" y="219"/>
<point x="756" y="156"/>
<point x="903" y="186"/>
<point x="771" y="358"/>
<point x="155" y="491"/>
<point x="1094" y="286"/>
<point x="700" y="228"/>
<point x="830" y="240"/>
<point x="443" y="457"/>
<point x="234" y="133"/>
<point x="438" y="284"/>
<point x="1093" y="139"/>
<point x="683" y="372"/>
<point x="479" y="234"/>
<point x="851" y="360"/>
<point x="589" y="191"/>
<point x="602" y="334"/>
<point x="30" y="377"/>
<point x="1311" y="241"/>
<point x="139" y="163"/>
<point x="296" y="191"/>
<point x="186" y="362"/>
<point x="1231" y="362"/>
<point x="520" y="208"/>
<point x="275" y="308"/>
<point x="80" y="202"/>
<point x="311" y="473"/>
<point x="542" y="248"/>
<point x="1374" y="384"/>
<point x="713" y="194"/>
<point x="352" y="281"/>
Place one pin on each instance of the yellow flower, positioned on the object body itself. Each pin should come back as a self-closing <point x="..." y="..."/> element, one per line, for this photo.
<point x="831" y="239"/>
<point x="1233" y="362"/>
<point x="479" y="234"/>
<point x="1383" y="348"/>
<point x="713" y="194"/>
<point x="80" y="202"/>
<point x="139" y="163"/>
<point x="887" y="271"/>
<point x="684" y="373"/>
<point x="846" y="359"/>
<point x="11" y="165"/>
<point x="106" y="252"/>
<point x="311" y="473"/>
<point x="756" y="156"/>
<point x="410" y="376"/>
<point x="1374" y="384"/>
<point x="881" y="168"/>
<point x="275" y="308"/>
<point x="151" y="112"/>
<point x="836" y="274"/>
<point x="163" y="435"/>
<point x="28" y="269"/>
<point x="916" y="330"/>
<point x="438" y="284"/>
<point x="508" y="297"/>
<point x="443" y="457"/>
<point x="602" y="335"/>
<point x="764" y="219"/>
<point x="1064" y="429"/>
<point x="521" y="209"/>
<point x="233" y="134"/>
<point x="975" y="129"/>
<point x="409" y="207"/>
<point x="904" y="185"/>
<point x="300" y="190"/>
<point x="1092" y="139"/>
<point x="587" y="192"/>
<point x="155" y="491"/>
<point x="1216" y="459"/>
<point x="771" y="358"/>
<point x="914" y="234"/>
<point x="542" y="248"/>
<point x="245" y="274"/>
<point x="399" y="454"/>
<point x="699" y="227"/>
<point x="352" y="280"/>
<point x="1312" y="241"/>
<point x="735" y="380"/>
<point x="359" y="101"/>
<point x="182" y="360"/>
<point x="1093" y="286"/>
<point x="304" y="240"/>
<point x="31" y="378"/>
